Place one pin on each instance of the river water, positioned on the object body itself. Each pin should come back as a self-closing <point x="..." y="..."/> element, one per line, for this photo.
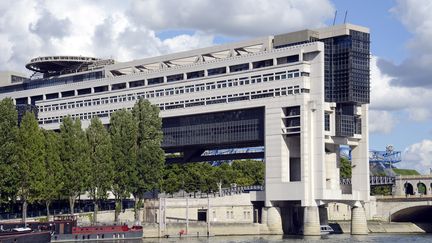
<point x="394" y="238"/>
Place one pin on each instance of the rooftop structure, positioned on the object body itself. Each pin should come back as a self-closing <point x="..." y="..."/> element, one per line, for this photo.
<point x="52" y="66"/>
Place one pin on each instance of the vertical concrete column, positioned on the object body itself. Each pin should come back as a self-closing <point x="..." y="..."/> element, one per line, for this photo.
<point x="358" y="220"/>
<point x="360" y="160"/>
<point x="276" y="154"/>
<point x="311" y="224"/>
<point x="272" y="217"/>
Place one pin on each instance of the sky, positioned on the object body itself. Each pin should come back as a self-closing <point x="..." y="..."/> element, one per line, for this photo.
<point x="401" y="46"/>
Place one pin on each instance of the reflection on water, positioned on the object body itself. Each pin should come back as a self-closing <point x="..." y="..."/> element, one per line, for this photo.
<point x="345" y="238"/>
<point x="418" y="238"/>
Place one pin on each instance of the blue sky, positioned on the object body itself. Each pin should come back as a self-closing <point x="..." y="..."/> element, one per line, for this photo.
<point x="401" y="48"/>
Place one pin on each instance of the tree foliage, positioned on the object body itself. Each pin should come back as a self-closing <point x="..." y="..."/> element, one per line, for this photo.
<point x="249" y="172"/>
<point x="75" y="158"/>
<point x="30" y="161"/>
<point x="202" y="177"/>
<point x="345" y="168"/>
<point x="123" y="132"/>
<point x="8" y="134"/>
<point x="173" y="178"/>
<point x="53" y="180"/>
<point x="385" y="190"/>
<point x="150" y="156"/>
<point x="101" y="166"/>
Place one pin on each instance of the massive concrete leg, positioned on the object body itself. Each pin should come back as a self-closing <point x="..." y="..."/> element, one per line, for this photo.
<point x="311" y="225"/>
<point x="272" y="217"/>
<point x="358" y="221"/>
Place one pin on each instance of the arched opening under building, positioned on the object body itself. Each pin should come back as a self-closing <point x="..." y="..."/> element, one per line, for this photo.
<point x="409" y="190"/>
<point x="421" y="188"/>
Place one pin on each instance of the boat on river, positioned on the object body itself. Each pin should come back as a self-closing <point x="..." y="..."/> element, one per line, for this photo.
<point x="23" y="235"/>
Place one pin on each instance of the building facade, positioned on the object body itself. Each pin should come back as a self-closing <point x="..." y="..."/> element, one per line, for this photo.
<point x="300" y="95"/>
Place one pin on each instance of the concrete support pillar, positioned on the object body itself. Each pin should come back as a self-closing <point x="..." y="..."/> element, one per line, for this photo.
<point x="358" y="221"/>
<point x="359" y="161"/>
<point x="272" y="217"/>
<point x="311" y="224"/>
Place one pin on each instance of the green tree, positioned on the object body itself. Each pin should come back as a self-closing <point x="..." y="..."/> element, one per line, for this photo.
<point x="208" y="178"/>
<point x="101" y="166"/>
<point x="30" y="161"/>
<point x="123" y="131"/>
<point x="381" y="190"/>
<point x="150" y="156"/>
<point x="345" y="168"/>
<point x="8" y="136"/>
<point x="173" y="179"/>
<point x="225" y="174"/>
<point x="200" y="177"/>
<point x="74" y="155"/>
<point x="53" y="180"/>
<point x="193" y="178"/>
<point x="249" y="172"/>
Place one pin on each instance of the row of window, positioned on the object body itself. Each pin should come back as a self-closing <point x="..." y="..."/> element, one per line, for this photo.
<point x="277" y="92"/>
<point x="230" y="131"/>
<point x="177" y="90"/>
<point x="219" y="70"/>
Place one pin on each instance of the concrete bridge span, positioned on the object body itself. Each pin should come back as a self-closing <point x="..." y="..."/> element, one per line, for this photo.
<point x="404" y="208"/>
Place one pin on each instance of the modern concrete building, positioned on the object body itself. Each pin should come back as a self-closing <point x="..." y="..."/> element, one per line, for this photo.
<point x="299" y="95"/>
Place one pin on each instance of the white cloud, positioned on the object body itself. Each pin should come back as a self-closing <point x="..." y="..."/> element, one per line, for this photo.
<point x="387" y="99"/>
<point x="128" y="29"/>
<point x="233" y="18"/>
<point x="415" y="71"/>
<point x="381" y="121"/>
<point x="418" y="156"/>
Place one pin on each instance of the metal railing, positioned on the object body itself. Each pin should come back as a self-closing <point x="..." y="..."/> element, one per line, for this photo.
<point x="374" y="180"/>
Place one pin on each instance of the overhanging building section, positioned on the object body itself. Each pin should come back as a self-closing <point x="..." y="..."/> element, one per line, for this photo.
<point x="300" y="95"/>
<point x="191" y="135"/>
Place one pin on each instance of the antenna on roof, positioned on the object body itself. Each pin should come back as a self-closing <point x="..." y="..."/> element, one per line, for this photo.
<point x="346" y="13"/>
<point x="334" y="19"/>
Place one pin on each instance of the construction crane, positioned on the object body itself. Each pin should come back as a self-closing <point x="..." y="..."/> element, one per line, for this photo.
<point x="385" y="158"/>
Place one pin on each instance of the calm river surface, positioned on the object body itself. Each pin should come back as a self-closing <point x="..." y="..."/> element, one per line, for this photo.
<point x="402" y="238"/>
